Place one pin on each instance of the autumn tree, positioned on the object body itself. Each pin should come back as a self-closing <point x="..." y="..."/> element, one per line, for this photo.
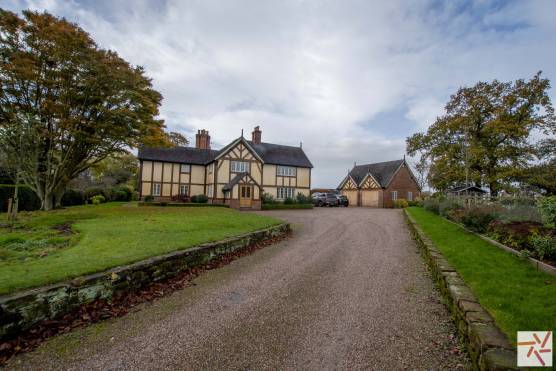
<point x="120" y="168"/>
<point x="177" y="139"/>
<point x="485" y="135"/>
<point x="75" y="102"/>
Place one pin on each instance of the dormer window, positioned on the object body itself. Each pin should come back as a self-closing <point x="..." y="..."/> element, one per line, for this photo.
<point x="240" y="167"/>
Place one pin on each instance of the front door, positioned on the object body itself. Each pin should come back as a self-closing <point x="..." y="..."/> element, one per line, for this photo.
<point x="245" y="192"/>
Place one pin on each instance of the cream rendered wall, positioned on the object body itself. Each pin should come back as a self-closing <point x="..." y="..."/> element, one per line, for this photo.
<point x="256" y="194"/>
<point x="303" y="176"/>
<point x="198" y="174"/>
<point x="197" y="190"/>
<point x="176" y="175"/>
<point x="145" y="188"/>
<point x="235" y="192"/>
<point x="167" y="172"/>
<point x="271" y="191"/>
<point x="224" y="171"/>
<point x="306" y="191"/>
<point x="157" y="172"/>
<point x="175" y="189"/>
<point x="256" y="172"/>
<point x="184" y="178"/>
<point x="146" y="171"/>
<point x="166" y="188"/>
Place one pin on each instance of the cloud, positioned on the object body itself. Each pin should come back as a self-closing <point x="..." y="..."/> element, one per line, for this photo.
<point x="349" y="79"/>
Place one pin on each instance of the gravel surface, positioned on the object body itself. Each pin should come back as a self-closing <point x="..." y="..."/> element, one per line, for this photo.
<point x="347" y="291"/>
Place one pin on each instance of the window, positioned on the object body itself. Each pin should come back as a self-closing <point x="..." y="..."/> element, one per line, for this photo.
<point x="240" y="167"/>
<point x="394" y="195"/>
<point x="184" y="190"/>
<point x="209" y="190"/>
<point x="156" y="189"/>
<point x="410" y="196"/>
<point x="185" y="168"/>
<point x="284" y="192"/>
<point x="286" y="171"/>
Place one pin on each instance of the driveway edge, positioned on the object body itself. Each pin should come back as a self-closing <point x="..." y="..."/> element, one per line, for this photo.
<point x="488" y="347"/>
<point x="24" y="310"/>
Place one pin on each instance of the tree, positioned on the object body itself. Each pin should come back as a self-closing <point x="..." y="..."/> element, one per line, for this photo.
<point x="76" y="102"/>
<point x="484" y="137"/>
<point x="177" y="139"/>
<point x="116" y="169"/>
<point x="421" y="167"/>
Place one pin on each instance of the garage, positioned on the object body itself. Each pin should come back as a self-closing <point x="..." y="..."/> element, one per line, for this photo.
<point x="351" y="196"/>
<point x="370" y="198"/>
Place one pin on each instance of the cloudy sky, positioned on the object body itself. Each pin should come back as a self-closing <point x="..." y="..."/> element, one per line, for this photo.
<point x="349" y="79"/>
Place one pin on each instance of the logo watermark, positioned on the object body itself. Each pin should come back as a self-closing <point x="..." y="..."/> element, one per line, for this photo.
<point x="534" y="348"/>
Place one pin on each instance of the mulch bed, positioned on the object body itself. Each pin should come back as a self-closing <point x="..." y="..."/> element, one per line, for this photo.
<point x="118" y="306"/>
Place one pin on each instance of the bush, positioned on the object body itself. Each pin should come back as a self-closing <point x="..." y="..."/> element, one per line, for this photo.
<point x="432" y="205"/>
<point x="446" y="207"/>
<point x="95" y="191"/>
<point x="514" y="234"/>
<point x="302" y="199"/>
<point x="27" y="199"/>
<point x="98" y="199"/>
<point x="150" y="198"/>
<point x="289" y="201"/>
<point x="544" y="246"/>
<point x="400" y="203"/>
<point x="547" y="209"/>
<point x="121" y="193"/>
<point x="73" y="197"/>
<point x="268" y="199"/>
<point x="477" y="219"/>
<point x="201" y="199"/>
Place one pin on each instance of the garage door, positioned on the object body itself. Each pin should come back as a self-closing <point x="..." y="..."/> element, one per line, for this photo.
<point x="352" y="197"/>
<point x="369" y="198"/>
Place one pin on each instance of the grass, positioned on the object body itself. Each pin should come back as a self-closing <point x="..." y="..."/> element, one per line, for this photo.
<point x="48" y="247"/>
<point x="519" y="297"/>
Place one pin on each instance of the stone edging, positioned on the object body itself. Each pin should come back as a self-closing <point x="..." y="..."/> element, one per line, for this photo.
<point x="23" y="310"/>
<point x="488" y="347"/>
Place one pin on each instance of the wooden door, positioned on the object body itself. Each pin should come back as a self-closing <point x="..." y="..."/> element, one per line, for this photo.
<point x="351" y="196"/>
<point x="369" y="198"/>
<point x="245" y="195"/>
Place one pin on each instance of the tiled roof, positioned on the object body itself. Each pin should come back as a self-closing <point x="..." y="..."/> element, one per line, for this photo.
<point x="270" y="153"/>
<point x="381" y="171"/>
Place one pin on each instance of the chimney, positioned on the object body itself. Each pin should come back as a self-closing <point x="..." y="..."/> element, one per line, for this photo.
<point x="256" y="135"/>
<point x="202" y="139"/>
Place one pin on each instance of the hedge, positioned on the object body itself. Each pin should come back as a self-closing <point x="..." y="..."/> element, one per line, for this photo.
<point x="28" y="200"/>
<point x="286" y="206"/>
<point x="179" y="204"/>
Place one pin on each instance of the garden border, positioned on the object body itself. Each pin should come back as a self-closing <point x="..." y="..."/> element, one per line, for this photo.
<point x="23" y="310"/>
<point x="488" y="347"/>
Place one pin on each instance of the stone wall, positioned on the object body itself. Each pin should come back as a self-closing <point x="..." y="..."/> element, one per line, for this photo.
<point x="21" y="311"/>
<point x="488" y="347"/>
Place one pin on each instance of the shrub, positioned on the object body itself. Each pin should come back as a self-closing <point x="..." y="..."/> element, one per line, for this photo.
<point x="268" y="199"/>
<point x="27" y="199"/>
<point x="98" y="199"/>
<point x="477" y="219"/>
<point x="95" y="191"/>
<point x="148" y="198"/>
<point x="73" y="197"/>
<point x="445" y="207"/>
<point x="400" y="203"/>
<point x="547" y="209"/>
<point x="302" y="199"/>
<point x="514" y="234"/>
<point x="432" y="205"/>
<point x="289" y="201"/>
<point x="201" y="199"/>
<point x="121" y="193"/>
<point x="544" y="246"/>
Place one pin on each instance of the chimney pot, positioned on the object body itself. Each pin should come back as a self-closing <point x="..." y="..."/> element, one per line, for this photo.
<point x="256" y="135"/>
<point x="202" y="139"/>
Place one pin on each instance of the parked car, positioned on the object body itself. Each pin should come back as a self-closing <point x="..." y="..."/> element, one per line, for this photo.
<point x="325" y="199"/>
<point x="342" y="200"/>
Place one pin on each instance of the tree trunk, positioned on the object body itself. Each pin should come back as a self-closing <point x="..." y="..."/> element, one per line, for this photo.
<point x="47" y="201"/>
<point x="58" y="199"/>
<point x="15" y="204"/>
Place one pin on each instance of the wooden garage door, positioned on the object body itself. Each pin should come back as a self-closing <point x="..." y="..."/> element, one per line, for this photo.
<point x="352" y="197"/>
<point x="369" y="198"/>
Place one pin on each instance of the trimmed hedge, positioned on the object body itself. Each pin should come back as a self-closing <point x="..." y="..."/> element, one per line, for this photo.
<point x="28" y="200"/>
<point x="286" y="206"/>
<point x="179" y="204"/>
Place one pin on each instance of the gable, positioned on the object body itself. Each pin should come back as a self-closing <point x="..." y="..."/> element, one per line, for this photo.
<point x="369" y="182"/>
<point x="239" y="151"/>
<point x="348" y="184"/>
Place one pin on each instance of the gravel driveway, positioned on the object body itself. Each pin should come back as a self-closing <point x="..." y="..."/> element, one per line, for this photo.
<point x="347" y="291"/>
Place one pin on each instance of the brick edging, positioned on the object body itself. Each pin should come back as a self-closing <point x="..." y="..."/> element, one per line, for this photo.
<point x="23" y="310"/>
<point x="488" y="347"/>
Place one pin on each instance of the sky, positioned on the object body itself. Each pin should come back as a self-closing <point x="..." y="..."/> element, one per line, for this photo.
<point x="351" y="80"/>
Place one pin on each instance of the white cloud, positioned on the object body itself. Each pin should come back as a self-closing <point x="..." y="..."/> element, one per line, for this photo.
<point x="313" y="71"/>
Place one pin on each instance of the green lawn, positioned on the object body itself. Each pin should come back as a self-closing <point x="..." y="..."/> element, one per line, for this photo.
<point x="514" y="292"/>
<point x="48" y="247"/>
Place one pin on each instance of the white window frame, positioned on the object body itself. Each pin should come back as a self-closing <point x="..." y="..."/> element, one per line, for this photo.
<point x="239" y="167"/>
<point x="285" y="192"/>
<point x="209" y="190"/>
<point x="185" y="168"/>
<point x="286" y="170"/>
<point x="394" y="195"/>
<point x="184" y="187"/>
<point x="410" y="196"/>
<point x="157" y="188"/>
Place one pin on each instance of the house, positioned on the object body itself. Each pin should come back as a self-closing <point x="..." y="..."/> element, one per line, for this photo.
<point x="468" y="190"/>
<point x="236" y="175"/>
<point x="379" y="184"/>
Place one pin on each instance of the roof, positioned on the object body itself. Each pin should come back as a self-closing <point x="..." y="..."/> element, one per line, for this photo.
<point x="236" y="180"/>
<point x="185" y="155"/>
<point x="468" y="188"/>
<point x="270" y="153"/>
<point x="381" y="171"/>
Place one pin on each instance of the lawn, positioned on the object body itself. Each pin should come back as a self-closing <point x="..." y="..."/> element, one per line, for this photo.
<point x="48" y="247"/>
<point x="519" y="297"/>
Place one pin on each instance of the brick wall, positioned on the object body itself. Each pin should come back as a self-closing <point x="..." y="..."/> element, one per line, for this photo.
<point x="403" y="183"/>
